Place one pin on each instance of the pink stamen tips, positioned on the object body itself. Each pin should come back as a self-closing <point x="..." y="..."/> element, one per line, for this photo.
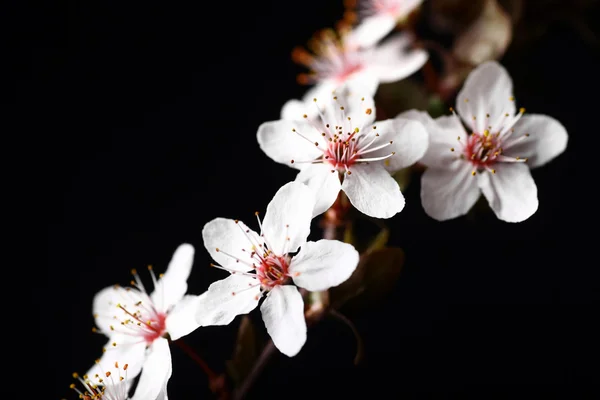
<point x="485" y="149"/>
<point x="142" y="318"/>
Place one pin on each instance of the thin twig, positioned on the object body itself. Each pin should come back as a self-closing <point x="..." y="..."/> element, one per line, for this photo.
<point x="216" y="382"/>
<point x="359" y="343"/>
<point x="257" y="368"/>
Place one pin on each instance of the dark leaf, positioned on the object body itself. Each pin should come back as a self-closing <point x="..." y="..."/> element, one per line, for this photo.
<point x="375" y="277"/>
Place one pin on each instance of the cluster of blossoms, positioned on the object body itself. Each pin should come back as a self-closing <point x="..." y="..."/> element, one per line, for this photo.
<point x="332" y="138"/>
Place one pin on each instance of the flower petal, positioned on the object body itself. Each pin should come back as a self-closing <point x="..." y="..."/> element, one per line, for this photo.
<point x="511" y="191"/>
<point x="409" y="141"/>
<point x="372" y="190"/>
<point x="294" y="110"/>
<point x="227" y="298"/>
<point x="443" y="133"/>
<point x="364" y="80"/>
<point x="393" y="60"/>
<point x="119" y="350"/>
<point x="323" y="264"/>
<point x="156" y="372"/>
<point x="233" y="241"/>
<point x="287" y="220"/>
<point x="450" y="192"/>
<point x="487" y="90"/>
<point x="181" y="320"/>
<point x="171" y="287"/>
<point x="371" y="30"/>
<point x="105" y="306"/>
<point x="324" y="184"/>
<point x="354" y="101"/>
<point x="283" y="314"/>
<point x="547" y="139"/>
<point x="284" y="141"/>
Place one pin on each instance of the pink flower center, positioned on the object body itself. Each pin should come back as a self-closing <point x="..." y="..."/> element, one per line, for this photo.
<point x="482" y="150"/>
<point x="330" y="58"/>
<point x="273" y="271"/>
<point x="135" y="312"/>
<point x="344" y="146"/>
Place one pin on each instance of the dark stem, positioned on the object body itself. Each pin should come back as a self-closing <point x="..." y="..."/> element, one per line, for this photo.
<point x="359" y="343"/>
<point x="216" y="382"/>
<point x="257" y="368"/>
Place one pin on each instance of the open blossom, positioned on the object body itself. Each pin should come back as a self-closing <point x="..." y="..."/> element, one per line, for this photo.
<point x="138" y="324"/>
<point x="377" y="18"/>
<point x="265" y="264"/>
<point x="493" y="156"/>
<point x="113" y="382"/>
<point x="344" y="150"/>
<point x="336" y="62"/>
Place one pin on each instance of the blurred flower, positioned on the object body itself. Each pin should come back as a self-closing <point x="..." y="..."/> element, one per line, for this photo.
<point x="137" y="323"/>
<point x="494" y="159"/>
<point x="111" y="384"/>
<point x="336" y="62"/>
<point x="377" y="18"/>
<point x="343" y="150"/>
<point x="486" y="38"/>
<point x="264" y="263"/>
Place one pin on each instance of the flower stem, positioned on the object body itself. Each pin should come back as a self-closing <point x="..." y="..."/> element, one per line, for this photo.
<point x="216" y="382"/>
<point x="257" y="368"/>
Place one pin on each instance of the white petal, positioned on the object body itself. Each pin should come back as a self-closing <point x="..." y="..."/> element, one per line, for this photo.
<point x="233" y="242"/>
<point x="409" y="141"/>
<point x="287" y="220"/>
<point x="547" y="139"/>
<point x="357" y="102"/>
<point x="365" y="81"/>
<point x="443" y="133"/>
<point x="219" y="305"/>
<point x="105" y="306"/>
<point x="283" y="314"/>
<point x="156" y="373"/>
<point x="372" y="190"/>
<point x="284" y="141"/>
<point x="171" y="287"/>
<point x="450" y="192"/>
<point x="393" y="60"/>
<point x="322" y="90"/>
<point x="294" y="110"/>
<point x="511" y="191"/>
<point x="487" y="90"/>
<point x="119" y="350"/>
<point x="324" y="183"/>
<point x="323" y="264"/>
<point x="371" y="30"/>
<point x="181" y="321"/>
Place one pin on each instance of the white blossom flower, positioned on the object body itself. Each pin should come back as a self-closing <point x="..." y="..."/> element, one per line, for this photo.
<point x="266" y="263"/>
<point x="493" y="156"/>
<point x="377" y="18"/>
<point x="344" y="150"/>
<point x="113" y="382"/>
<point x="138" y="324"/>
<point x="110" y="384"/>
<point x="336" y="62"/>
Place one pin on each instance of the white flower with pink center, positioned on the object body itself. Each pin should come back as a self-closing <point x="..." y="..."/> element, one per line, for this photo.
<point x="377" y="18"/>
<point x="336" y="62"/>
<point x="493" y="156"/>
<point x="344" y="150"/>
<point x="114" y="382"/>
<point x="268" y="263"/>
<point x="138" y="324"/>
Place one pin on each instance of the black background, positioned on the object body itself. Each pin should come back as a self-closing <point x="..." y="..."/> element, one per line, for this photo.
<point x="150" y="114"/>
